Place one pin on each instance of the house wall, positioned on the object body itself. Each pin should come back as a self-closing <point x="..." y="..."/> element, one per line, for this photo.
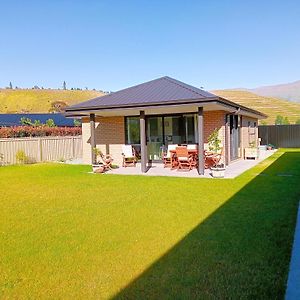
<point x="249" y="132"/>
<point x="212" y="120"/>
<point x="110" y="134"/>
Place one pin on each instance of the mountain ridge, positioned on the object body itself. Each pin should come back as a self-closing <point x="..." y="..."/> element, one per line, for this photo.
<point x="289" y="91"/>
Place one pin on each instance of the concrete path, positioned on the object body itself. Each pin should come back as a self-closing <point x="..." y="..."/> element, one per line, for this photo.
<point x="293" y="284"/>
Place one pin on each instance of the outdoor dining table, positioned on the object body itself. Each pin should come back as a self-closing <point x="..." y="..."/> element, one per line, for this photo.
<point x="174" y="163"/>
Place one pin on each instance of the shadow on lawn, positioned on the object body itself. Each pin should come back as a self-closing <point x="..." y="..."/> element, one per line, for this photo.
<point x="241" y="251"/>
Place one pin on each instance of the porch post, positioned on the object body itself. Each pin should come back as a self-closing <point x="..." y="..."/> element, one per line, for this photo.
<point x="201" y="141"/>
<point x="93" y="138"/>
<point x="227" y="140"/>
<point x="143" y="142"/>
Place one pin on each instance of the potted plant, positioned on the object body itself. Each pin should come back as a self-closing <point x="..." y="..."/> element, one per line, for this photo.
<point x="214" y="146"/>
<point x="218" y="171"/>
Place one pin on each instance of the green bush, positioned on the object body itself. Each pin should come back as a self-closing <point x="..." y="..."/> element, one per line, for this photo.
<point x="21" y="157"/>
<point x="214" y="143"/>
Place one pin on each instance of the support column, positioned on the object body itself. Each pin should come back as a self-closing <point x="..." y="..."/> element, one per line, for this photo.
<point x="143" y="142"/>
<point x="200" y="141"/>
<point x="227" y="140"/>
<point x="93" y="138"/>
<point x="241" y="136"/>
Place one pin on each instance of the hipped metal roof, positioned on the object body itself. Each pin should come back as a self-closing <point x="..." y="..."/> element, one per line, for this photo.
<point x="161" y="91"/>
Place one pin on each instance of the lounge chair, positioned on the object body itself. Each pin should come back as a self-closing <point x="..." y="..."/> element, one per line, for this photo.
<point x="129" y="156"/>
<point x="106" y="160"/>
<point x="184" y="159"/>
<point x="167" y="157"/>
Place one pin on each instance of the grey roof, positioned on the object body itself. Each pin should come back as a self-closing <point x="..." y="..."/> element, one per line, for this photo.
<point x="161" y="91"/>
<point x="164" y="89"/>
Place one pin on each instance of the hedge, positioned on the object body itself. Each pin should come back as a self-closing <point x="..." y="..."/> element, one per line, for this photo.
<point x="31" y="131"/>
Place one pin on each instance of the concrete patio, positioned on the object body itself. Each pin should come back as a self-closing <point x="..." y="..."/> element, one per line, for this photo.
<point x="157" y="169"/>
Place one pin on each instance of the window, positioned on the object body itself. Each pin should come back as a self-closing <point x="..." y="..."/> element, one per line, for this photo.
<point x="167" y="129"/>
<point x="132" y="130"/>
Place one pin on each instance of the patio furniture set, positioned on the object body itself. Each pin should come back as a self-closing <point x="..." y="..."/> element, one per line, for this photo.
<point x="176" y="157"/>
<point x="186" y="157"/>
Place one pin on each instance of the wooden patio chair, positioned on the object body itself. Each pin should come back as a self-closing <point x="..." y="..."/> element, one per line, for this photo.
<point x="194" y="155"/>
<point x="167" y="157"/>
<point x="129" y="156"/>
<point x="106" y="160"/>
<point x="184" y="159"/>
<point x="212" y="159"/>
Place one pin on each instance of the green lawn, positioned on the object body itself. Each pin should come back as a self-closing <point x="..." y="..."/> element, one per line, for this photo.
<point x="68" y="234"/>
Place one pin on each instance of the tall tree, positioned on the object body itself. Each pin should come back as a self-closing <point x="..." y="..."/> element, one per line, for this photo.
<point x="279" y="120"/>
<point x="286" y="121"/>
<point x="64" y="85"/>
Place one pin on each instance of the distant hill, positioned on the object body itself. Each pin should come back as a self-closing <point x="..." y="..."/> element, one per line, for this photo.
<point x="288" y="91"/>
<point x="41" y="101"/>
<point x="268" y="105"/>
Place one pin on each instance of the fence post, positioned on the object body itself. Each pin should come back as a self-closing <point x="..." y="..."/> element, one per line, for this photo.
<point x="40" y="149"/>
<point x="73" y="147"/>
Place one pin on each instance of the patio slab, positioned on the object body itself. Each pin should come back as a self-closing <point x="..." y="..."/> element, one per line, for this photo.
<point x="157" y="169"/>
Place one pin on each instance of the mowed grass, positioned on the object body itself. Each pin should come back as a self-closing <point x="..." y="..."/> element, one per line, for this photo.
<point x="39" y="101"/>
<point x="65" y="233"/>
<point x="268" y="105"/>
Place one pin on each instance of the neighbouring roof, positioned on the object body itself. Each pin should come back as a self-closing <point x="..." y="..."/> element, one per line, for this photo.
<point x="161" y="91"/>
<point x="15" y="119"/>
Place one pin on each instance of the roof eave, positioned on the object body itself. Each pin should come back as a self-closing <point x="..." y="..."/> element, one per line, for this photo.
<point x="71" y="111"/>
<point x="135" y="105"/>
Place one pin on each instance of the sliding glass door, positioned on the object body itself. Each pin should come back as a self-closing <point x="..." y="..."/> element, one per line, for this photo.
<point x="162" y="131"/>
<point x="234" y="121"/>
<point x="154" y="137"/>
<point x="179" y="129"/>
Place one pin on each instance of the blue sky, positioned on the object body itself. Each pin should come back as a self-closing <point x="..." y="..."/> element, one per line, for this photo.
<point x="114" y="44"/>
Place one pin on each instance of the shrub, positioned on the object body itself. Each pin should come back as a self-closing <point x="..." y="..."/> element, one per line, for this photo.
<point x="21" y="157"/>
<point x="30" y="131"/>
<point x="214" y="143"/>
<point x="50" y="123"/>
<point x="280" y="120"/>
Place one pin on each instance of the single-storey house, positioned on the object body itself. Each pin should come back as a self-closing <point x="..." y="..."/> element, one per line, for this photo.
<point x="161" y="112"/>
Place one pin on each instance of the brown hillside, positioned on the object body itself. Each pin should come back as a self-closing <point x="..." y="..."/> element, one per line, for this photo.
<point x="270" y="106"/>
<point x="40" y="101"/>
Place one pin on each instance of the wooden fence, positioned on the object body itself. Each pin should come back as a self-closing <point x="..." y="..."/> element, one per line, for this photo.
<point x="39" y="149"/>
<point x="286" y="136"/>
